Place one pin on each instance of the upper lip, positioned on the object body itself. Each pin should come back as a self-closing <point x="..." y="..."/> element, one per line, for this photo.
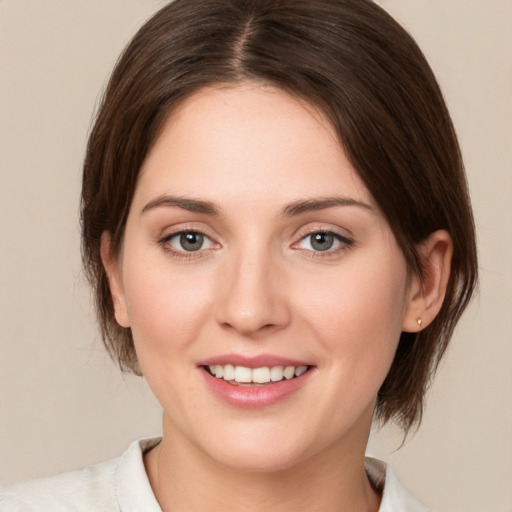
<point x="258" y="361"/>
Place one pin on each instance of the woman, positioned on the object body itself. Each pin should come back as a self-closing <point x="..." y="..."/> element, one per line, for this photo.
<point x="278" y="232"/>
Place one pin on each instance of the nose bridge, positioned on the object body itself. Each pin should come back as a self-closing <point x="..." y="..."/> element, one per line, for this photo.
<point x="252" y="298"/>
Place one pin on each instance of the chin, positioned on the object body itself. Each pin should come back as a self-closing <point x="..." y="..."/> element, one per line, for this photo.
<point x="261" y="448"/>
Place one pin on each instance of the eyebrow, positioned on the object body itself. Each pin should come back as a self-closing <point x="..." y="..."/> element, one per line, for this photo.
<point x="192" y="205"/>
<point x="311" y="205"/>
<point x="295" y="208"/>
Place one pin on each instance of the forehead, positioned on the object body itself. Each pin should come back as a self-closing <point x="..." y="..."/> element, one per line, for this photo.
<point x="249" y="135"/>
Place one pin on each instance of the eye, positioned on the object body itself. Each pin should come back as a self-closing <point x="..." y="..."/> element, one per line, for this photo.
<point x="188" y="241"/>
<point x="323" y="241"/>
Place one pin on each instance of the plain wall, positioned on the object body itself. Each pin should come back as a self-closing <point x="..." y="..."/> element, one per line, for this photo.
<point x="63" y="404"/>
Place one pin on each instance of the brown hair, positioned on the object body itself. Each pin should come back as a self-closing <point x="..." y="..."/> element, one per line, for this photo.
<point x="354" y="62"/>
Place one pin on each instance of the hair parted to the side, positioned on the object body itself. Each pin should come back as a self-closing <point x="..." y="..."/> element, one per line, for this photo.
<point x="350" y="59"/>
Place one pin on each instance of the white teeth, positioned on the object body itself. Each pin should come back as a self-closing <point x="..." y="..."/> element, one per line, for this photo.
<point x="219" y="371"/>
<point x="289" y="372"/>
<point x="276" y="373"/>
<point x="300" y="370"/>
<point x="263" y="375"/>
<point x="243" y="374"/>
<point x="229" y="372"/>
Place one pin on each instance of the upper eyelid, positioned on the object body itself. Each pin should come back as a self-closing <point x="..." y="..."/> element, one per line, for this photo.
<point x="173" y="234"/>
<point x="339" y="236"/>
<point x="305" y="231"/>
<point x="185" y="227"/>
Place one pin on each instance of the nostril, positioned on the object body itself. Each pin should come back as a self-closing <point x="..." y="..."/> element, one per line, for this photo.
<point x="251" y="303"/>
<point x="251" y="330"/>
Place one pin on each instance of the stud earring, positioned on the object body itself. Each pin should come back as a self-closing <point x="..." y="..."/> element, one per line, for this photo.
<point x="420" y="321"/>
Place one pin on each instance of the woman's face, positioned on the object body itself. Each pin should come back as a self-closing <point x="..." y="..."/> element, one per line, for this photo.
<point x="254" y="252"/>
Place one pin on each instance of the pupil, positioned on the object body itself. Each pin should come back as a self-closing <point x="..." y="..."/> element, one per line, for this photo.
<point x="191" y="241"/>
<point x="322" y="241"/>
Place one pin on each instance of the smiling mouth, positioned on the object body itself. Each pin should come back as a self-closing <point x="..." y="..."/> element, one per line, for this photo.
<point x="265" y="375"/>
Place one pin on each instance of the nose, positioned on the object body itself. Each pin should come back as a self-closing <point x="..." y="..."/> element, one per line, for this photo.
<point x="253" y="299"/>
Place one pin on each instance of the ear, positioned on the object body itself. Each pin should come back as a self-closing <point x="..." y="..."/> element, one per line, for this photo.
<point x="112" y="265"/>
<point x="426" y="294"/>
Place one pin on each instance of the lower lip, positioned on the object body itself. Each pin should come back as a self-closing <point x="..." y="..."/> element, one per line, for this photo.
<point x="250" y="397"/>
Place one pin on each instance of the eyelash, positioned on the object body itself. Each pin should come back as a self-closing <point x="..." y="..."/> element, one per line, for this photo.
<point x="344" y="243"/>
<point x="165" y="242"/>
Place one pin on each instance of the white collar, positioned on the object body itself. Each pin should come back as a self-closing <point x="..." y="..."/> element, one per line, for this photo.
<point x="134" y="491"/>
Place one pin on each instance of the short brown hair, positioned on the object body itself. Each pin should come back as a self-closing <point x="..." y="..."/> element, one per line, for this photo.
<point x="354" y="62"/>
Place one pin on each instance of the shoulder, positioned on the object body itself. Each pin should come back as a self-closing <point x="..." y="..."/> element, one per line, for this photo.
<point x="87" y="489"/>
<point x="395" y="497"/>
<point x="91" y="488"/>
<point x="99" y="487"/>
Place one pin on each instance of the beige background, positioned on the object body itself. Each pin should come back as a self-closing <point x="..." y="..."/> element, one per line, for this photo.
<point x="64" y="405"/>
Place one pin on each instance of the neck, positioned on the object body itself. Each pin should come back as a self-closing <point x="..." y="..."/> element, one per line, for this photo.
<point x="184" y="478"/>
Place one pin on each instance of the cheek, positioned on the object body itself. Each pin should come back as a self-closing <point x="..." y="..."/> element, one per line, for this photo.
<point x="166" y="306"/>
<point x="358" y="312"/>
<point x="168" y="313"/>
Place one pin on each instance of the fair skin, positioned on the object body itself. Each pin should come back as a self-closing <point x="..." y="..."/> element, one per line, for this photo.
<point x="251" y="241"/>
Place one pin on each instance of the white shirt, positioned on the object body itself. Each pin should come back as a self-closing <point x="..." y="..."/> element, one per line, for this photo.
<point x="122" y="485"/>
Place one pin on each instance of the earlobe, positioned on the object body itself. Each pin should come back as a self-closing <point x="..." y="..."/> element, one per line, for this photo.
<point x="111" y="264"/>
<point x="426" y="294"/>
